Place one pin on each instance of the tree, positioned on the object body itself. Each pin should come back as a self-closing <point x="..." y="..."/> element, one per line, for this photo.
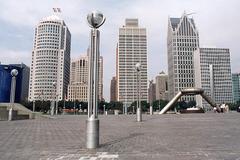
<point x="115" y="105"/>
<point x="191" y="104"/>
<point x="163" y="103"/>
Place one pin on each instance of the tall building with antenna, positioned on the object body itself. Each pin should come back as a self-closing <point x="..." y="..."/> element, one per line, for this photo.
<point x="132" y="49"/>
<point x="182" y="41"/>
<point x="50" y="59"/>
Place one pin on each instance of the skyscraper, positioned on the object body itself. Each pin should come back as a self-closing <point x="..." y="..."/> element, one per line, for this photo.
<point x="78" y="87"/>
<point x="182" y="41"/>
<point x="236" y="87"/>
<point x="162" y="86"/>
<point x="50" y="59"/>
<point x="213" y="74"/>
<point x="132" y="49"/>
<point x="113" y="89"/>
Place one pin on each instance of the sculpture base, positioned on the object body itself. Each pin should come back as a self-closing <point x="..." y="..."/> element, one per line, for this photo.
<point x="92" y="133"/>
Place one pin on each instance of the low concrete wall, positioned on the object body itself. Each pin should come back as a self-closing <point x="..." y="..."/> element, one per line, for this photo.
<point x="3" y="114"/>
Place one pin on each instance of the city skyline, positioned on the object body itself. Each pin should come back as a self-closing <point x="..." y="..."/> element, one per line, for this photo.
<point x="18" y="26"/>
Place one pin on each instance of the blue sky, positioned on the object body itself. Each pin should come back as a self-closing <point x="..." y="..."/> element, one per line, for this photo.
<point x="218" y="22"/>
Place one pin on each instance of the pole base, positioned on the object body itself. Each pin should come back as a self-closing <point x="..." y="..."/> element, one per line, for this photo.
<point x="139" y="115"/>
<point x="92" y="133"/>
<point x="151" y="110"/>
<point x="10" y="114"/>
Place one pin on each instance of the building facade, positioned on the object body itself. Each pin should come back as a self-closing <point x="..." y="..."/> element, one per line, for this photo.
<point x="5" y="83"/>
<point x="50" y="60"/>
<point x="78" y="87"/>
<point x="161" y="86"/>
<point x="236" y="87"/>
<point x="132" y="49"/>
<point x="182" y="41"/>
<point x="151" y="92"/>
<point x="213" y="74"/>
<point x="113" y="90"/>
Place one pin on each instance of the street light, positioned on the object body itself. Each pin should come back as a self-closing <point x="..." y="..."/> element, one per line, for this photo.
<point x="53" y="98"/>
<point x="95" y="20"/>
<point x="139" y="110"/>
<point x="104" y="109"/>
<point x="14" y="73"/>
<point x="151" y="100"/>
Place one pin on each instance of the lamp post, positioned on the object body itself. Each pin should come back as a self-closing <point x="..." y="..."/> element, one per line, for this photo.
<point x="34" y="105"/>
<point x="151" y="100"/>
<point x="14" y="73"/>
<point x="104" y="109"/>
<point x="139" y="110"/>
<point x="56" y="98"/>
<point x="53" y="98"/>
<point x="95" y="20"/>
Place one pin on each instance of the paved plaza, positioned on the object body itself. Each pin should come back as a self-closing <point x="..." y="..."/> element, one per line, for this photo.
<point x="168" y="137"/>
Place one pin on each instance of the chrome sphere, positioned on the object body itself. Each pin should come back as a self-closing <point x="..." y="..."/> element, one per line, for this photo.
<point x="138" y="67"/>
<point x="95" y="19"/>
<point x="14" y="72"/>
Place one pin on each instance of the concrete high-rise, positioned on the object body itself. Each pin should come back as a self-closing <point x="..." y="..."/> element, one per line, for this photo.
<point x="162" y="86"/>
<point x="113" y="89"/>
<point x="236" y="87"/>
<point x="132" y="49"/>
<point x="182" y="41"/>
<point x="213" y="74"/>
<point x="78" y="87"/>
<point x="50" y="59"/>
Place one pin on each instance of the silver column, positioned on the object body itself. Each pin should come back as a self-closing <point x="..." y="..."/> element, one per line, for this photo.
<point x="56" y="106"/>
<point x="95" y="20"/>
<point x="14" y="73"/>
<point x="34" y="105"/>
<point x="139" y="110"/>
<point x="54" y="84"/>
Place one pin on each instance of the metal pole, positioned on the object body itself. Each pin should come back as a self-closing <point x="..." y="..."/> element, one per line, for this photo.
<point x="104" y="110"/>
<point x="56" y="105"/>
<point x="139" y="110"/>
<point x="93" y="121"/>
<point x="95" y="20"/>
<point x="34" y="105"/>
<point x="12" y="98"/>
<point x="125" y="109"/>
<point x="74" y="106"/>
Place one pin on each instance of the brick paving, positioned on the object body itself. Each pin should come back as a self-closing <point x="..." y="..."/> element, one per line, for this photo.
<point x="183" y="137"/>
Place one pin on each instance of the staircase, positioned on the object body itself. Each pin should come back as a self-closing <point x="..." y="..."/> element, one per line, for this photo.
<point x="19" y="112"/>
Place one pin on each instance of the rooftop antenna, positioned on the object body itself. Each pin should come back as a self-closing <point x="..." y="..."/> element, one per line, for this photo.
<point x="57" y="11"/>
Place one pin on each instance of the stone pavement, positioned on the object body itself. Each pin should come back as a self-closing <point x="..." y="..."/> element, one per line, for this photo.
<point x="168" y="137"/>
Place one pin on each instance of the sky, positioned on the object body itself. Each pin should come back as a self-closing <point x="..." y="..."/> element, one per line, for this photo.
<point x="218" y="23"/>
